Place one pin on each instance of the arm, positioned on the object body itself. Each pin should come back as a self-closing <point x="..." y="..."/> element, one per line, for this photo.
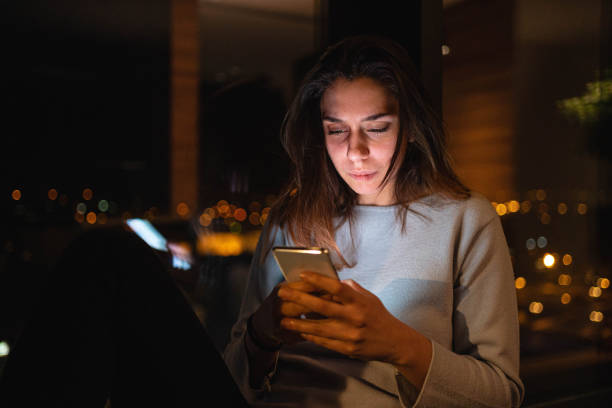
<point x="257" y="337"/>
<point x="482" y="369"/>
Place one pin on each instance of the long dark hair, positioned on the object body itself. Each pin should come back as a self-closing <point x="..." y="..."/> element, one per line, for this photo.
<point x="316" y="201"/>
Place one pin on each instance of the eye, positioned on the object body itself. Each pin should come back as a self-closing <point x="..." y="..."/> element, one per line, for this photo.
<point x="335" y="131"/>
<point x="379" y="129"/>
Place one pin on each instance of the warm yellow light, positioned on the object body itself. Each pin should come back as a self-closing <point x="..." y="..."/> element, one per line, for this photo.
<point x="87" y="194"/>
<point x="562" y="208"/>
<point x="596" y="316"/>
<point x="514" y="206"/>
<point x="445" y="49"/>
<point x="212" y="213"/>
<point x="582" y="208"/>
<point x="566" y="298"/>
<point x="501" y="209"/>
<point x="52" y="194"/>
<point x="182" y="209"/>
<point x="541" y="195"/>
<point x="595" y="291"/>
<point x="536" y="307"/>
<point x="549" y="260"/>
<point x="223" y="244"/>
<point x="567" y="259"/>
<point x="494" y="204"/>
<point x="520" y="282"/>
<point x="564" y="279"/>
<point x="16" y="194"/>
<point x="227" y="243"/>
<point x="603" y="283"/>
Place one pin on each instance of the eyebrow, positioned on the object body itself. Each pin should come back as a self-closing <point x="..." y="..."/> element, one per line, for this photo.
<point x="371" y="117"/>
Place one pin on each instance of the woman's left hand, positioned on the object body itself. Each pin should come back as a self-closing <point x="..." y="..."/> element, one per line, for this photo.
<point x="357" y="325"/>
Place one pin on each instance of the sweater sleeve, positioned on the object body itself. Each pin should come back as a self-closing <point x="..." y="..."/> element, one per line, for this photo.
<point x="263" y="277"/>
<point x="482" y="370"/>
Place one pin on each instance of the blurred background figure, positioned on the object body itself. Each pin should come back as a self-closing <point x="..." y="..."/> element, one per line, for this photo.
<point x="169" y="111"/>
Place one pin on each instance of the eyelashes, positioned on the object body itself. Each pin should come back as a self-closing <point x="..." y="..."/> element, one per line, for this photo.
<point x="373" y="130"/>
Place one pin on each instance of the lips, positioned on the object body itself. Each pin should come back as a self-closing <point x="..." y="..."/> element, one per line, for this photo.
<point x="362" y="175"/>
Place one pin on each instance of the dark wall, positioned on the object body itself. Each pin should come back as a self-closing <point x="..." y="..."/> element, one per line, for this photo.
<point x="85" y="86"/>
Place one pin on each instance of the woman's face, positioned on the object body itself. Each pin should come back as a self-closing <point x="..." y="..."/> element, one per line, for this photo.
<point x="361" y="126"/>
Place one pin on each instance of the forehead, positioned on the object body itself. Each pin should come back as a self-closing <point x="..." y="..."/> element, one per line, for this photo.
<point x="358" y="97"/>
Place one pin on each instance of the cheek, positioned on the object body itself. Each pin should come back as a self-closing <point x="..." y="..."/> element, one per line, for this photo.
<point x="334" y="151"/>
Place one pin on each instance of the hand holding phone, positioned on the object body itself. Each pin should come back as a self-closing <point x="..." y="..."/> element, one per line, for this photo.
<point x="295" y="260"/>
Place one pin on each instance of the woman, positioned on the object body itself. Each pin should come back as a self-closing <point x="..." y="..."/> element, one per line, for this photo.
<point x="425" y="311"/>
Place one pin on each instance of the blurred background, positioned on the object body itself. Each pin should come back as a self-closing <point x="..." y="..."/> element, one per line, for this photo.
<point x="169" y="110"/>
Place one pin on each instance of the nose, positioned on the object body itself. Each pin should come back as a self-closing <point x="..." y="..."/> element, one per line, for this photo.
<point x="357" y="146"/>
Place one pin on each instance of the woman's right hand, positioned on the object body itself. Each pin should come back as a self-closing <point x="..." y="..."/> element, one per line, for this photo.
<point x="266" y="320"/>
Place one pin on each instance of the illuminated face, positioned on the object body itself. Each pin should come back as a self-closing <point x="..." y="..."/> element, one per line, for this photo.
<point x="361" y="127"/>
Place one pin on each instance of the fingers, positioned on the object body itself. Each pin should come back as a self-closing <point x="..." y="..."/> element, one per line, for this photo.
<point x="337" y="289"/>
<point x="346" y="348"/>
<point x="301" y="286"/>
<point x="291" y="309"/>
<point x="327" y="328"/>
<point x="312" y="303"/>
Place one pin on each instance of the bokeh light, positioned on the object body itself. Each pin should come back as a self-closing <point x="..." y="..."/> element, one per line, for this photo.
<point x="566" y="298"/>
<point x="542" y="242"/>
<point x="594" y="291"/>
<point x="520" y="282"/>
<point x="52" y="194"/>
<point x="525" y="207"/>
<point x="91" y="217"/>
<point x="596" y="316"/>
<point x="182" y="209"/>
<point x="240" y="214"/>
<point x="536" y="307"/>
<point x="514" y="206"/>
<point x="562" y="208"/>
<point x="16" y="194"/>
<point x="87" y="194"/>
<point x="501" y="209"/>
<point x="564" y="279"/>
<point x="549" y="260"/>
<point x="567" y="259"/>
<point x="103" y="205"/>
<point x="81" y="208"/>
<point x="205" y="219"/>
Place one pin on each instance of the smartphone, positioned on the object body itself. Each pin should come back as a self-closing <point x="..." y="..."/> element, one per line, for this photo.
<point x="149" y="234"/>
<point x="295" y="260"/>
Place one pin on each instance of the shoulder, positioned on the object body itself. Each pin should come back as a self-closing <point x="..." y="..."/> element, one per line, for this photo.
<point x="475" y="210"/>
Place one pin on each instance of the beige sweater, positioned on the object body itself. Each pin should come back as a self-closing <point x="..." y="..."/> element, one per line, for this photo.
<point x="449" y="276"/>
